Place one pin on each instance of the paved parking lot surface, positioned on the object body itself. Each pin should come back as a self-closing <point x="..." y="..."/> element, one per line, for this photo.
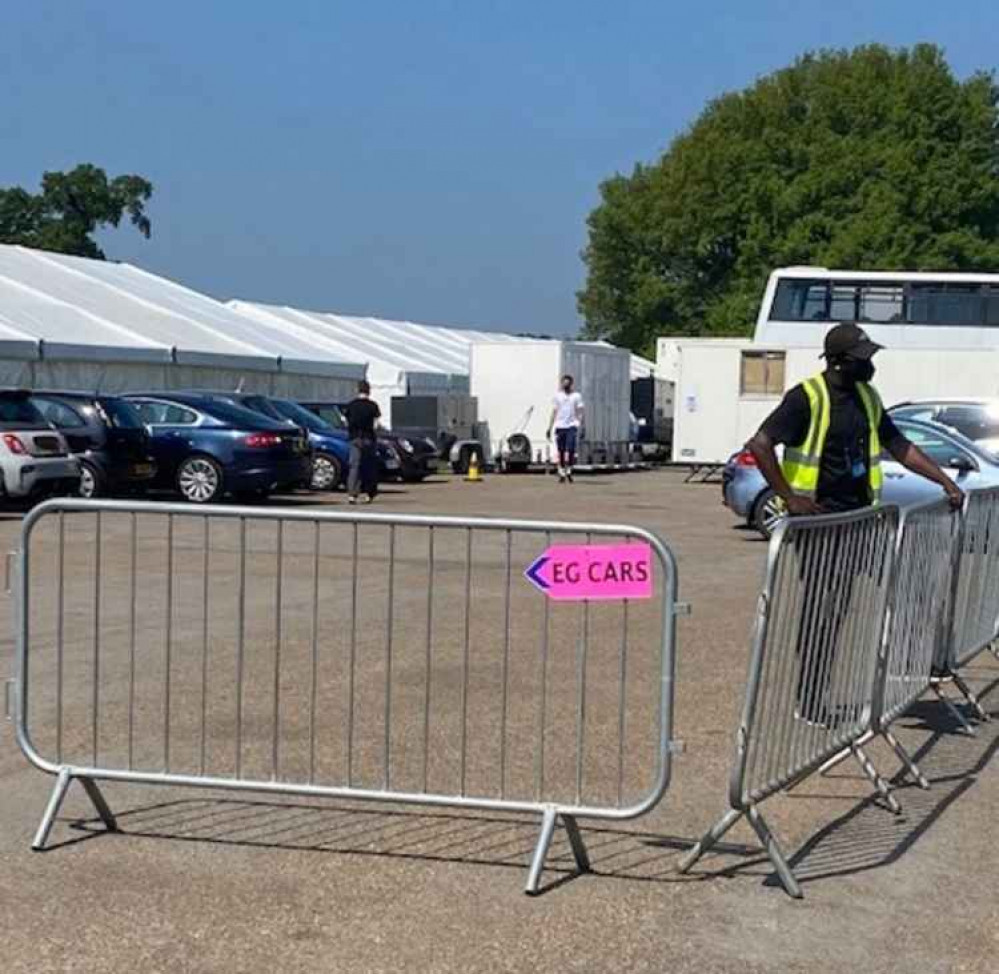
<point x="213" y="881"/>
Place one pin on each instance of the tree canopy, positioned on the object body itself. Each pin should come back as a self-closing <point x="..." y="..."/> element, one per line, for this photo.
<point x="870" y="159"/>
<point x="71" y="207"/>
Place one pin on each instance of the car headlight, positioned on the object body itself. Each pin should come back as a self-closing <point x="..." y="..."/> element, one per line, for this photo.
<point x="405" y="444"/>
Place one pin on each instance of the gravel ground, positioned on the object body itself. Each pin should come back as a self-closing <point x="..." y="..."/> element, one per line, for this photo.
<point x="223" y="881"/>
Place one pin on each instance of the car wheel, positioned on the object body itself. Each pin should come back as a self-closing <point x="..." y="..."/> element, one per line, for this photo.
<point x="199" y="480"/>
<point x="91" y="483"/>
<point x="767" y="512"/>
<point x="327" y="472"/>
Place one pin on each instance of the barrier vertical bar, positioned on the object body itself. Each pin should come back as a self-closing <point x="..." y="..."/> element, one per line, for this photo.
<point x="132" y="616"/>
<point x="168" y="639"/>
<point x="97" y="632"/>
<point x="206" y="586"/>
<point x="314" y="671"/>
<point x="390" y="622"/>
<point x="278" y="633"/>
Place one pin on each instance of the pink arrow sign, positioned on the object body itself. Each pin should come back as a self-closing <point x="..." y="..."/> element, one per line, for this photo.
<point x="593" y="571"/>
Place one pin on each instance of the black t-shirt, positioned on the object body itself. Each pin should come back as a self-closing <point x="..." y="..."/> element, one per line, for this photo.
<point x="361" y="417"/>
<point x="844" y="468"/>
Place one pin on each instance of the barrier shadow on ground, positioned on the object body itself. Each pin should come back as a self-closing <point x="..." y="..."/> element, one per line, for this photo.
<point x="437" y="836"/>
<point x="868" y="836"/>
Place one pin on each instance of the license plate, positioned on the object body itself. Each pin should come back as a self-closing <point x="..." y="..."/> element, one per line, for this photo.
<point x="142" y="469"/>
<point x="391" y="464"/>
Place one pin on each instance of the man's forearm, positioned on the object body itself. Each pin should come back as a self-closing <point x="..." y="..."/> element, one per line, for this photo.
<point x="912" y="458"/>
<point x="766" y="459"/>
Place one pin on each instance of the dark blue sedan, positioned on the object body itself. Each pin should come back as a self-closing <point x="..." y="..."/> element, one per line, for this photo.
<point x="330" y="446"/>
<point x="205" y="448"/>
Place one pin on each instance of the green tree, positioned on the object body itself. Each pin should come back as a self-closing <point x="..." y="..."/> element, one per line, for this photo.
<point x="71" y="207"/>
<point x="871" y="159"/>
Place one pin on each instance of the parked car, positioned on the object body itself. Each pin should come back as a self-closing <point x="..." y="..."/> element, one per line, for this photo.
<point x="749" y="496"/>
<point x="330" y="450"/>
<point x="106" y="434"/>
<point x="416" y="456"/>
<point x="977" y="419"/>
<point x="34" y="457"/>
<point x="206" y="448"/>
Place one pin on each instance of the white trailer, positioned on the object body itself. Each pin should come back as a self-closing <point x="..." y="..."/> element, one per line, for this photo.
<point x="940" y="332"/>
<point x="515" y="382"/>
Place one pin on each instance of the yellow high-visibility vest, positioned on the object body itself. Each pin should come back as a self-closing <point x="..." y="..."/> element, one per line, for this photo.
<point x="801" y="464"/>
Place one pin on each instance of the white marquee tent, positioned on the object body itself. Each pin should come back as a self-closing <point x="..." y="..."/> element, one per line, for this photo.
<point x="68" y="322"/>
<point x="403" y="358"/>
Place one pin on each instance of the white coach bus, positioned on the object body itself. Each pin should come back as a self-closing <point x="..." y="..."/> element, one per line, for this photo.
<point x="940" y="332"/>
<point x="899" y="309"/>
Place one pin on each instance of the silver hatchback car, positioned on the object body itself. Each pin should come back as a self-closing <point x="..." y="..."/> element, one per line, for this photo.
<point x="749" y="496"/>
<point x="34" y="457"/>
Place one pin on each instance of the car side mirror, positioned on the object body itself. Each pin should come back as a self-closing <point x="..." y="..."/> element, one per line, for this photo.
<point x="962" y="464"/>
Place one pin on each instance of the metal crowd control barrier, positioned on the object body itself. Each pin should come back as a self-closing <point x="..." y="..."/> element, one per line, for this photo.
<point x="812" y="675"/>
<point x="334" y="654"/>
<point x="975" y="614"/>
<point x="918" y="626"/>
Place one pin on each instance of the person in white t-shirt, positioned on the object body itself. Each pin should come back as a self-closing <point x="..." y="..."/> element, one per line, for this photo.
<point x="566" y="420"/>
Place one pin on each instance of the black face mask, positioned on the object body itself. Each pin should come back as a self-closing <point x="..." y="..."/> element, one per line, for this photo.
<point x="857" y="370"/>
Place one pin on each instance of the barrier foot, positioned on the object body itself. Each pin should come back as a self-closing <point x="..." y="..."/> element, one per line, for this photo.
<point x="51" y="810"/>
<point x="835" y="761"/>
<point x="540" y="851"/>
<point x="97" y="798"/>
<point x="880" y="785"/>
<point x="579" y="852"/>
<point x="63" y="781"/>
<point x="710" y="838"/>
<point x="906" y="759"/>
<point x="784" y="872"/>
<point x="970" y="697"/>
<point x="953" y="711"/>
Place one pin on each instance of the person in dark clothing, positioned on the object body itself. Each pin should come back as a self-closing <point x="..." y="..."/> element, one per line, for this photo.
<point x="833" y="428"/>
<point x="362" y="418"/>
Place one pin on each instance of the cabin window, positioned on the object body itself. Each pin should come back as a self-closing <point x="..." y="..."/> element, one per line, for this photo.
<point x="761" y="373"/>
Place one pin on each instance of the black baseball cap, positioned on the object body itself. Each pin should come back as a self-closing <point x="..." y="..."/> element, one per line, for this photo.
<point x="849" y="339"/>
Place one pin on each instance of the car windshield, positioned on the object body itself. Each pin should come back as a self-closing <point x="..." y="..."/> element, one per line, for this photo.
<point x="260" y="404"/>
<point x="975" y="422"/>
<point x="18" y="412"/>
<point x="302" y="416"/>
<point x="943" y="446"/>
<point x="121" y="414"/>
<point x="333" y="415"/>
<point x="234" y="415"/>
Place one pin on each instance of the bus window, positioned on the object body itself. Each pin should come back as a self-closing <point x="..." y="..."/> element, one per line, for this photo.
<point x="946" y="304"/>
<point x="992" y="306"/>
<point x="843" y="302"/>
<point x="881" y="304"/>
<point x="799" y="300"/>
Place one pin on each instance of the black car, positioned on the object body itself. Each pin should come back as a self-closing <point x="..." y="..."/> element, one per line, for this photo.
<point x="106" y="434"/>
<point x="417" y="457"/>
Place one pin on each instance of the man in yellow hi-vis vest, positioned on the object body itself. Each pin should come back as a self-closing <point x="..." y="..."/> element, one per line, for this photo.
<point x="833" y="428"/>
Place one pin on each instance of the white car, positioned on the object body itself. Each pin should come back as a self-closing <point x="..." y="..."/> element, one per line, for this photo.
<point x="34" y="457"/>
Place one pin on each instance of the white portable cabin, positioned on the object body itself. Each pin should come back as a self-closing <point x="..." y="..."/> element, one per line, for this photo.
<point x="515" y="383"/>
<point x="940" y="332"/>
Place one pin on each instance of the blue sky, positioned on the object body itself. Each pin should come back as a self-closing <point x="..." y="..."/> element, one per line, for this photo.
<point x="433" y="161"/>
